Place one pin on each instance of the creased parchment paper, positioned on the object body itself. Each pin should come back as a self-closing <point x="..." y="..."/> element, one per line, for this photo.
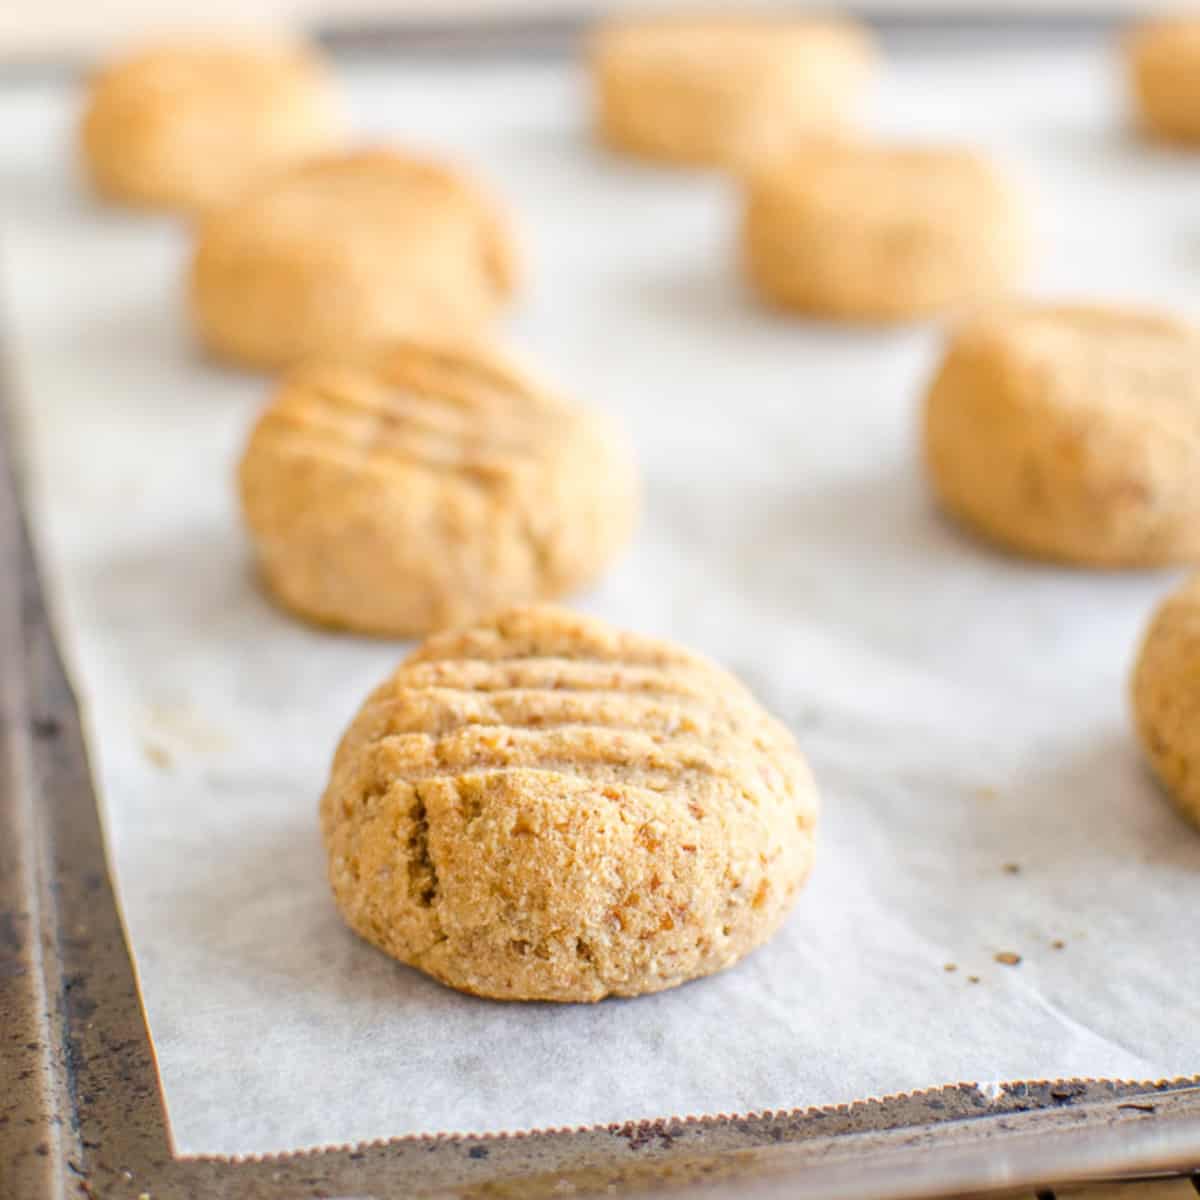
<point x="965" y="713"/>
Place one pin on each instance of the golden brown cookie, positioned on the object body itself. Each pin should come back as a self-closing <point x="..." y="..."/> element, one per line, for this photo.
<point x="1163" y="61"/>
<point x="349" y="250"/>
<point x="423" y="485"/>
<point x="188" y="125"/>
<point x="1072" y="433"/>
<point x="861" y="232"/>
<point x="542" y="807"/>
<point x="1166" y="697"/>
<point x="718" y="89"/>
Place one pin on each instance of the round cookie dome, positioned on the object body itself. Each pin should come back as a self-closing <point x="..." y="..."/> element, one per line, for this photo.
<point x="1166" y="697"/>
<point x="542" y="807"/>
<point x="423" y="485"/>
<point x="347" y="250"/>
<point x="861" y="232"/>
<point x="714" y="90"/>
<point x="188" y="125"/>
<point x="1071" y="433"/>
<point x="1163" y="62"/>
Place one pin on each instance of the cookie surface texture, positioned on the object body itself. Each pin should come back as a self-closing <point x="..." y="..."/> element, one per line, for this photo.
<point x="187" y="126"/>
<point x="1166" y="697"/>
<point x="345" y="251"/>
<point x="857" y="232"/>
<point x="717" y="90"/>
<point x="1163" y="63"/>
<point x="426" y="484"/>
<point x="543" y="807"/>
<point x="1071" y="433"/>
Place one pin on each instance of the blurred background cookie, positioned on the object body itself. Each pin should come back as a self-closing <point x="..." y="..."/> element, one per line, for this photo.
<point x="1166" y="697"/>
<point x="1072" y="433"/>
<point x="1163" y="62"/>
<point x="426" y="485"/>
<point x="346" y="250"/>
<point x="188" y="124"/>
<point x="860" y="232"/>
<point x="716" y="88"/>
<point x="544" y="807"/>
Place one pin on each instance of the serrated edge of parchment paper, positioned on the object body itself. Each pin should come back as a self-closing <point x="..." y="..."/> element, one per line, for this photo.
<point x="995" y="1097"/>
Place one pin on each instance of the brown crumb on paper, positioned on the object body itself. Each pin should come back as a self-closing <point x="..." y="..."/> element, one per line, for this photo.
<point x="157" y="755"/>
<point x="972" y="978"/>
<point x="1012" y="868"/>
<point x="1007" y="958"/>
<point x="950" y="967"/>
<point x="1058" y="944"/>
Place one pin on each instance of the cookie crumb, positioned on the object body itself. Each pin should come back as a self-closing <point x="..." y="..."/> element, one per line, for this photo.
<point x="1008" y="959"/>
<point x="972" y="978"/>
<point x="157" y="755"/>
<point x="1058" y="944"/>
<point x="1012" y="868"/>
<point x="950" y="967"/>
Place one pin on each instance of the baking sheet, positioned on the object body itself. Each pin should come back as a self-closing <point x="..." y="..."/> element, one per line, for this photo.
<point x="56" y="29"/>
<point x="964" y="713"/>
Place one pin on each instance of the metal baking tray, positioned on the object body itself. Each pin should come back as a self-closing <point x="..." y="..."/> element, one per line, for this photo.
<point x="82" y="1110"/>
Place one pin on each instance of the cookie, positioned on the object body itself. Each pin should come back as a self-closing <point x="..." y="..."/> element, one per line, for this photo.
<point x="188" y="125"/>
<point x="542" y="807"/>
<point x="860" y="232"/>
<point x="1163" y="63"/>
<point x="1071" y="433"/>
<point x="1165" y="692"/>
<point x="719" y="89"/>
<point x="422" y="485"/>
<point x="346" y="250"/>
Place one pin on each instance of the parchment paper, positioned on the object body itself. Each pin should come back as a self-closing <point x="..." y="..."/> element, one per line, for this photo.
<point x="965" y="713"/>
